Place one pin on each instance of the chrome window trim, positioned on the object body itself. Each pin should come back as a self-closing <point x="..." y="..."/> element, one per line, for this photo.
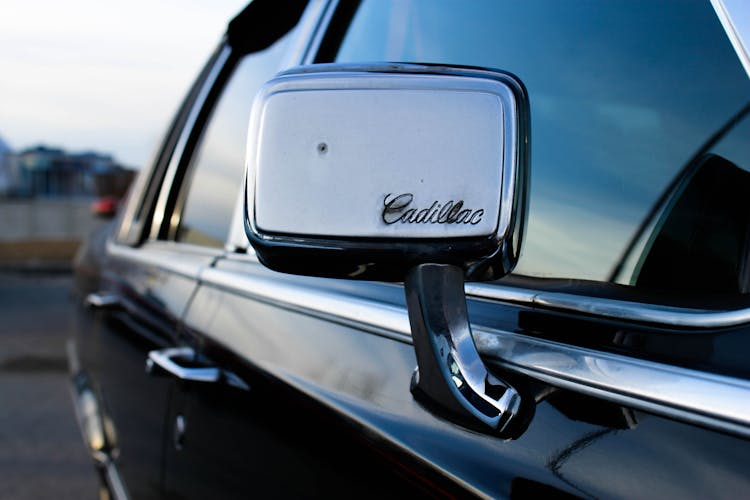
<point x="638" y="312"/>
<point x="179" y="149"/>
<point x="716" y="401"/>
<point x="307" y="28"/>
<point x="167" y="256"/>
<point x="135" y="198"/>
<point x="598" y="307"/>
<point x="326" y="14"/>
<point x="735" y="18"/>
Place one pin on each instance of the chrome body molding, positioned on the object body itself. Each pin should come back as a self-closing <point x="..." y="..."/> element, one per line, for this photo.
<point x="613" y="309"/>
<point x="706" y="399"/>
<point x="90" y="423"/>
<point x="735" y="18"/>
<point x="715" y="401"/>
<point x="167" y="256"/>
<point x="112" y="476"/>
<point x="638" y="312"/>
<point x="372" y="316"/>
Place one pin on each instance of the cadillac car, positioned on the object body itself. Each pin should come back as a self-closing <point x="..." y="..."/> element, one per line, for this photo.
<point x="396" y="248"/>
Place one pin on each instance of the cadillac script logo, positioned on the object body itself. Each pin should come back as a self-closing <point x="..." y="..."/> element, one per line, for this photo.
<point x="401" y="208"/>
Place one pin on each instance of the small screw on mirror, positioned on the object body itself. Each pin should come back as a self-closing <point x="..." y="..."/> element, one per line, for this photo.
<point x="322" y="148"/>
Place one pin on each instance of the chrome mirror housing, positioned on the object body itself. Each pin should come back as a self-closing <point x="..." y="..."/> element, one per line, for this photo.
<point x="366" y="171"/>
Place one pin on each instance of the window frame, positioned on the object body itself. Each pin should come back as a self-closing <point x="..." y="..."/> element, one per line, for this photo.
<point x="175" y="183"/>
<point x="139" y="212"/>
<point x="171" y="198"/>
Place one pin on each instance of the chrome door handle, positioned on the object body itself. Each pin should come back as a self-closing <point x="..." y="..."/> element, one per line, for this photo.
<point x="169" y="361"/>
<point x="449" y="369"/>
<point x="102" y="300"/>
<point x="166" y="359"/>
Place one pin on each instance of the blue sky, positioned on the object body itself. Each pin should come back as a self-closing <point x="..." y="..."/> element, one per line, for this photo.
<point x="98" y="74"/>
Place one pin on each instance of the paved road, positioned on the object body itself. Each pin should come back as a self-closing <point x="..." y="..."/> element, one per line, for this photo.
<point x="41" y="450"/>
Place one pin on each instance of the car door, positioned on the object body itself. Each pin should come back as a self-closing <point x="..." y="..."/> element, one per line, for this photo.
<point x="622" y="327"/>
<point x="635" y="244"/>
<point x="226" y="436"/>
<point x="133" y="289"/>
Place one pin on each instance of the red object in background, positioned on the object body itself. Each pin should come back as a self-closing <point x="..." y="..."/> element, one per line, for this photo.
<point x="105" y="206"/>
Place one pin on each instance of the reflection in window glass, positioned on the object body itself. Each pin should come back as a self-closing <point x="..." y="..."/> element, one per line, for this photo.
<point x="218" y="163"/>
<point x="623" y="95"/>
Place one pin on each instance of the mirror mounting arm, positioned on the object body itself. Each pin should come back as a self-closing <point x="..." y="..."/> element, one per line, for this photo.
<point x="450" y="372"/>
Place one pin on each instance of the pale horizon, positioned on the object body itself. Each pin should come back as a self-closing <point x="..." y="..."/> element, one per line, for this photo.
<point x="88" y="75"/>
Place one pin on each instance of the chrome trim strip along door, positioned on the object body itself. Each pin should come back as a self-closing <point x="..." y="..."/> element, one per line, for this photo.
<point x="614" y="309"/>
<point x="715" y="401"/>
<point x="382" y="319"/>
<point x="167" y="256"/>
<point x="90" y="424"/>
<point x="735" y="18"/>
<point x="694" y="396"/>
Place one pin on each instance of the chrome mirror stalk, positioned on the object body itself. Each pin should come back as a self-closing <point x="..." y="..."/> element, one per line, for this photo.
<point x="450" y="372"/>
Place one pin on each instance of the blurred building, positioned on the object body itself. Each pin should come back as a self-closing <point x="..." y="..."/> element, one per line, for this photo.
<point x="52" y="172"/>
<point x="5" y="176"/>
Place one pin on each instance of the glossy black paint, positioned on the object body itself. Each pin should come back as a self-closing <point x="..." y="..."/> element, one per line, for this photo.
<point x="330" y="404"/>
<point x="574" y="444"/>
<point x="112" y="345"/>
<point x="329" y="412"/>
<point x="274" y="441"/>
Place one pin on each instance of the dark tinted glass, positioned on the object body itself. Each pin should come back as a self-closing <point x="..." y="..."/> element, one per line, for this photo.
<point x="218" y="163"/>
<point x="627" y="99"/>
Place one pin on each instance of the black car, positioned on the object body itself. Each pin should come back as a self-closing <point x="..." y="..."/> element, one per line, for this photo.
<point x="434" y="248"/>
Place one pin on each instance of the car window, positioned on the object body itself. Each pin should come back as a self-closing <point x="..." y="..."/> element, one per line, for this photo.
<point x="141" y="199"/>
<point x="217" y="165"/>
<point x="634" y="106"/>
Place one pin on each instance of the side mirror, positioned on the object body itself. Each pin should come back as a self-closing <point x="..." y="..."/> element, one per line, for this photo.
<point x="365" y="172"/>
<point x="397" y="172"/>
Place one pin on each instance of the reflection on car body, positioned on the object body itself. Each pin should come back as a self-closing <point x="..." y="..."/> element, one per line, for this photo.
<point x="606" y="359"/>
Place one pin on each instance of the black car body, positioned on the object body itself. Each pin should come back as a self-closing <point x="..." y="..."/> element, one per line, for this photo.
<point x="200" y="373"/>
